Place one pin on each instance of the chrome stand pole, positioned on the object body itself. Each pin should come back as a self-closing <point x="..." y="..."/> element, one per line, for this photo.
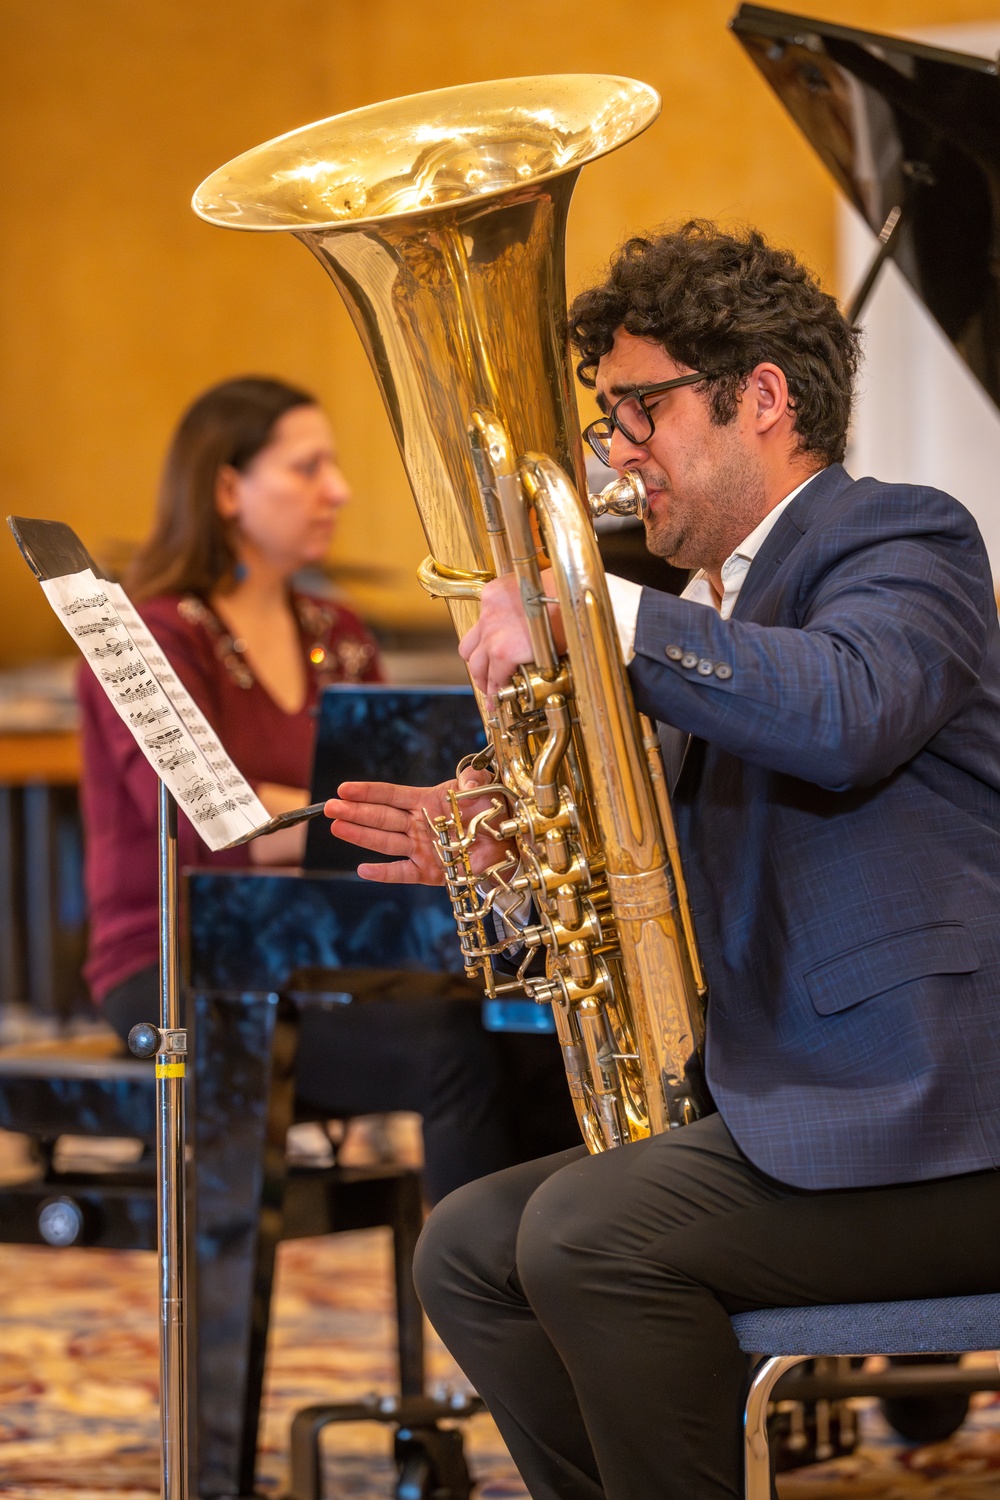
<point x="170" y="1170"/>
<point x="168" y="1042"/>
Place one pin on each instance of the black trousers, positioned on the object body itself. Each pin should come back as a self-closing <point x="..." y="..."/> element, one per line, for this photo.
<point x="486" y="1101"/>
<point x="587" y="1298"/>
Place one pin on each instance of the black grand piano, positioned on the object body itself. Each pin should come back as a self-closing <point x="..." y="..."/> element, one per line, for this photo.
<point x="911" y="134"/>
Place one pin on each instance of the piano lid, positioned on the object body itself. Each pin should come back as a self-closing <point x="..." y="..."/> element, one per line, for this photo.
<point x="903" y="126"/>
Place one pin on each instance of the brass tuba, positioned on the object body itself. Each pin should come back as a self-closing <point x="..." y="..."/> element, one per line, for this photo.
<point x="441" y="218"/>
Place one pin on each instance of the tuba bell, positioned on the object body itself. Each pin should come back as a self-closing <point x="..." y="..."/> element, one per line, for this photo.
<point x="441" y="218"/>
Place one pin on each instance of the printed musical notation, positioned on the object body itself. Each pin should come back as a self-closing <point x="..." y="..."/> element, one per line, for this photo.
<point x="136" y="694"/>
<point x="128" y="673"/>
<point x="176" y="759"/>
<point x="96" y="627"/>
<point x="86" y="601"/>
<point x="115" y="647"/>
<point x="164" y="738"/>
<point x="169" y="728"/>
<point x="212" y="811"/>
<point x="201" y="788"/>
<point x="145" y="717"/>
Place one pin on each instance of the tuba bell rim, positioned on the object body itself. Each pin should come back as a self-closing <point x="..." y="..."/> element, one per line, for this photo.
<point x="234" y="196"/>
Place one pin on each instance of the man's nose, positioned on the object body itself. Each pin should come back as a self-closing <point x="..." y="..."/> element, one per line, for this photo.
<point x="623" y="453"/>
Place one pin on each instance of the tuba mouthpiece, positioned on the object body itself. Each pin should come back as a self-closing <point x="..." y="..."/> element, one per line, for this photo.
<point x="622" y="497"/>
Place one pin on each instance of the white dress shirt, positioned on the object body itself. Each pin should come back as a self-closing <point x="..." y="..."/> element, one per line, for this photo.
<point x="625" y="595"/>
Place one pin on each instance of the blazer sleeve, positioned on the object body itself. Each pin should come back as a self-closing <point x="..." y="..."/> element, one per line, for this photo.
<point x="891" y="637"/>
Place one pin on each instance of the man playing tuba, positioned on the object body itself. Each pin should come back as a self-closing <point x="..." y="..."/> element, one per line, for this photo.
<point x="831" y="683"/>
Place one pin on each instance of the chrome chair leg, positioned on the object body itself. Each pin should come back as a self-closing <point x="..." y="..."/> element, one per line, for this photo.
<point x="756" y="1450"/>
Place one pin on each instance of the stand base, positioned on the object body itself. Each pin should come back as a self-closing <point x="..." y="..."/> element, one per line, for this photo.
<point x="430" y="1458"/>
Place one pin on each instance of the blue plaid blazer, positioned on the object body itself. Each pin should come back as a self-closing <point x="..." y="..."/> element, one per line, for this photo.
<point x="838" y="810"/>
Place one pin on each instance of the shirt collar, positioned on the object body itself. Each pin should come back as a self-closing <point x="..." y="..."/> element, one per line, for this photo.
<point x="737" y="564"/>
<point x="752" y="544"/>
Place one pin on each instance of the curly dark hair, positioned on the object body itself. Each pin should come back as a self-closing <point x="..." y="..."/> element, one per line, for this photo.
<point x="725" y="303"/>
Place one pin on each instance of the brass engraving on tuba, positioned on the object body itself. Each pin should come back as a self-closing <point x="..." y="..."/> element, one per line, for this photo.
<point x="441" y="218"/>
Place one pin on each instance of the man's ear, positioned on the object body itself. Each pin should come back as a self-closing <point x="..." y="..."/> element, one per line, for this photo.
<point x="767" y="389"/>
<point x="227" y="498"/>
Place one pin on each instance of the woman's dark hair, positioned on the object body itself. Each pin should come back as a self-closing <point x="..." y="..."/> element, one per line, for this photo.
<point x="189" y="549"/>
<point x="725" y="303"/>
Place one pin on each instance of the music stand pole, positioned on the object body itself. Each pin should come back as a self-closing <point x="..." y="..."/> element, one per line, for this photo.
<point x="171" y="1151"/>
<point x="169" y="1043"/>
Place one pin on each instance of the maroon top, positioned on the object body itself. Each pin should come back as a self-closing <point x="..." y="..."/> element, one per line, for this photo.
<point x="118" y="792"/>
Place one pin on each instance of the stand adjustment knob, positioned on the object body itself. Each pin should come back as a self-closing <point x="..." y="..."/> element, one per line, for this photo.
<point x="144" y="1040"/>
<point x="60" y="1222"/>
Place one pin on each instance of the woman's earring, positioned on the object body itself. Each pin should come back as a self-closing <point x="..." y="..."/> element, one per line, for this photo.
<point x="240" y="572"/>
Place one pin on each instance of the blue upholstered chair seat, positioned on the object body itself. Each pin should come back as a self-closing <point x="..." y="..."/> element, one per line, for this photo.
<point x="783" y="1336"/>
<point x="941" y="1325"/>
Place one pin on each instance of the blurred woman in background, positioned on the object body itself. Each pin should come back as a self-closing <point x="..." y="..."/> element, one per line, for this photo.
<point x="249" y="497"/>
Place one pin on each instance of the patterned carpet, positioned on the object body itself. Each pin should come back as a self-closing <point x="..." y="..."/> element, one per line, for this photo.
<point x="78" y="1418"/>
<point x="78" y="1371"/>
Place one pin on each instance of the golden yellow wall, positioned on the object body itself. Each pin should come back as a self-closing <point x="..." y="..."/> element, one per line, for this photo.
<point x="117" y="305"/>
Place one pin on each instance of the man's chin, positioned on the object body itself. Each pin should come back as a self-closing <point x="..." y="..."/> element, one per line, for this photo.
<point x="661" y="543"/>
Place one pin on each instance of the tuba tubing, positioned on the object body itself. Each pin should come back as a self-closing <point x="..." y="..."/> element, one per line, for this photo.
<point x="661" y="969"/>
<point x="441" y="220"/>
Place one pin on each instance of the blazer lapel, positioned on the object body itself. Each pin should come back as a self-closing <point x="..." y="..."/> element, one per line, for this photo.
<point x="682" y="752"/>
<point x="788" y="530"/>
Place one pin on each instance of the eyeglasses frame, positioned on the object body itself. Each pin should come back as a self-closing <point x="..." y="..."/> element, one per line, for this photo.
<point x="639" y="393"/>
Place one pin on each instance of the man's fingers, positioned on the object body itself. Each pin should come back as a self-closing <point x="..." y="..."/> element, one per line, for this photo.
<point x="368" y="814"/>
<point x="401" y="873"/>
<point x="384" y="793"/>
<point x="366" y="837"/>
<point x="497" y="672"/>
<point x="469" y="641"/>
<point x="478" y="663"/>
<point x="473" y="776"/>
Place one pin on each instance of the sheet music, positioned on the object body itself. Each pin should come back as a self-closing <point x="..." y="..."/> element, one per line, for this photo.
<point x="168" y="726"/>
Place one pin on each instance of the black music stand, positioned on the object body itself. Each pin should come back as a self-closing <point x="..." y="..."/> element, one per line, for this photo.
<point x="94" y="609"/>
<point x="93" y="614"/>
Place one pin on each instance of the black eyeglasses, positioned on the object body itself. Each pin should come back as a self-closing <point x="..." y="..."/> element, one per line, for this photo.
<point x="632" y="416"/>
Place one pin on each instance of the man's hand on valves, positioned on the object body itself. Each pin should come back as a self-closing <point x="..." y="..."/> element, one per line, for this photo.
<point x="391" y="819"/>
<point x="499" y="642"/>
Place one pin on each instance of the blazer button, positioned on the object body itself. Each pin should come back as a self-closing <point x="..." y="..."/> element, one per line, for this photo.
<point x="723" y="671"/>
<point x="705" y="667"/>
<point x="674" y="653"/>
<point x="689" y="659"/>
